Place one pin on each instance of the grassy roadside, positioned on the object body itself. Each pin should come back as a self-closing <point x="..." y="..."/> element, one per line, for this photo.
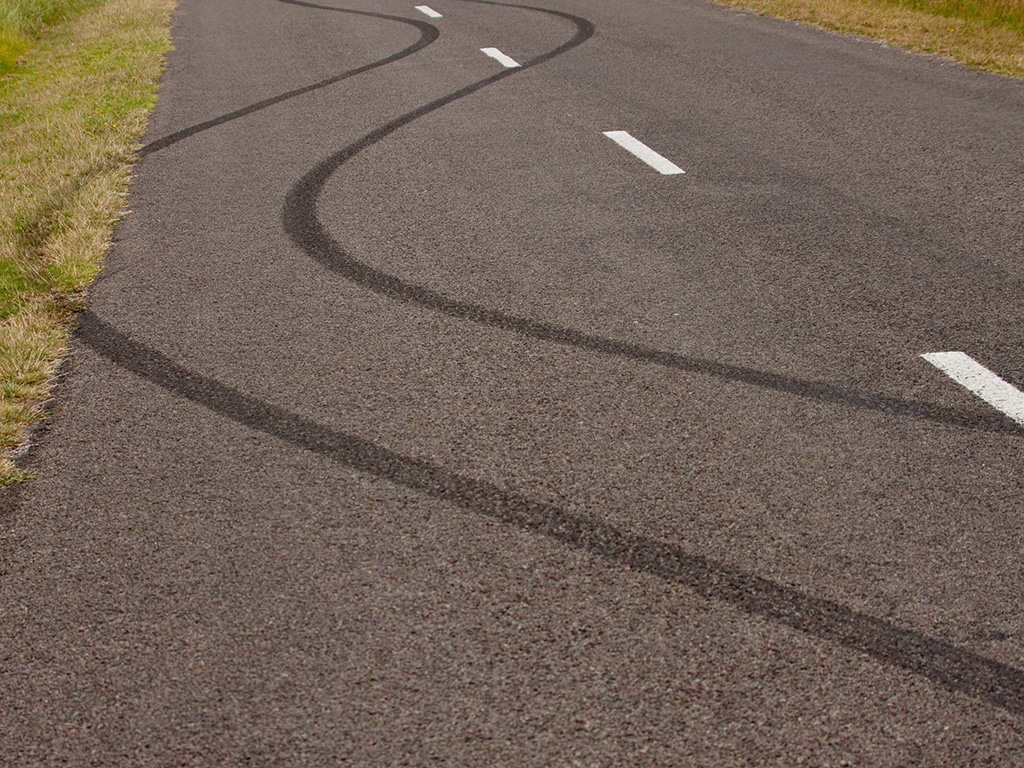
<point x="70" y="112"/>
<point x="984" y="34"/>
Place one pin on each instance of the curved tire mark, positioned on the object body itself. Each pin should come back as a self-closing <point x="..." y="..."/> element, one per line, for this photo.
<point x="944" y="664"/>
<point x="307" y="231"/>
<point x="428" y="34"/>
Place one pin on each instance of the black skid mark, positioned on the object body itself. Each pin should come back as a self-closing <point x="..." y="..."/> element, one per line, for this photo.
<point x="308" y="232"/>
<point x="428" y="34"/>
<point x="940" y="662"/>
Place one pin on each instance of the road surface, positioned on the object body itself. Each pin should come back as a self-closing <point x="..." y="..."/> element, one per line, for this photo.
<point x="512" y="385"/>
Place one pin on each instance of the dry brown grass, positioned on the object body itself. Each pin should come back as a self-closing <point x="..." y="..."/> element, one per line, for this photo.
<point x="971" y="38"/>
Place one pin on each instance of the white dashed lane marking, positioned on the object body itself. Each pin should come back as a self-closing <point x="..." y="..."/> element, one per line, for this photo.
<point x="645" y="153"/>
<point x="428" y="11"/>
<point x="968" y="372"/>
<point x="507" y="61"/>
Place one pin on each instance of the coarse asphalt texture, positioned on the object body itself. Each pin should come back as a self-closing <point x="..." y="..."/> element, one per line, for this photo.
<point x="415" y="422"/>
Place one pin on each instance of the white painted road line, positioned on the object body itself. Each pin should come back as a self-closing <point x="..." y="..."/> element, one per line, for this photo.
<point x="428" y="11"/>
<point x="507" y="61"/>
<point x="645" y="153"/>
<point x="965" y="370"/>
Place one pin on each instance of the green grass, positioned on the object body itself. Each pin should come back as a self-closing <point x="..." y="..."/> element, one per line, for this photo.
<point x="1008" y="14"/>
<point x="22" y="22"/>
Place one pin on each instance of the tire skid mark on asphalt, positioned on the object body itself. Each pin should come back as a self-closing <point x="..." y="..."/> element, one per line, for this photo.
<point x="305" y="229"/>
<point x="942" y="663"/>
<point x="428" y="34"/>
<point x="334" y="258"/>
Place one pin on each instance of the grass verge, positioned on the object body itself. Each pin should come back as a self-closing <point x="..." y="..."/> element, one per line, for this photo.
<point x="983" y="34"/>
<point x="70" y="115"/>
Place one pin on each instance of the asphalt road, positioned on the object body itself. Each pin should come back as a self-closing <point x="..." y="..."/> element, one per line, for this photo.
<point x="414" y="421"/>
